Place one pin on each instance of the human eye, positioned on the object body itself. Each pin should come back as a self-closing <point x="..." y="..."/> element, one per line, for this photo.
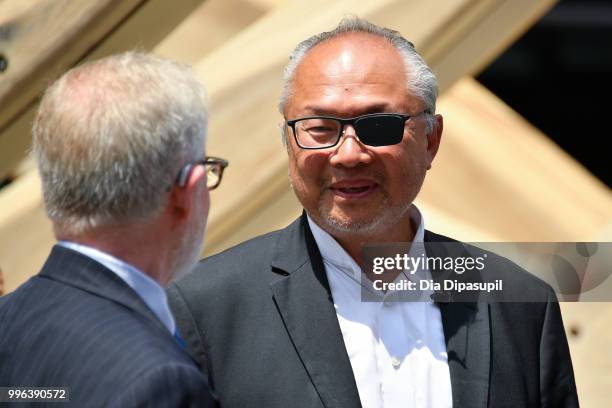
<point x="212" y="169"/>
<point x="320" y="127"/>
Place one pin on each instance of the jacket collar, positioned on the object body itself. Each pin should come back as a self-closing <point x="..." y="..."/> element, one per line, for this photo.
<point x="75" y="269"/>
<point x="304" y="300"/>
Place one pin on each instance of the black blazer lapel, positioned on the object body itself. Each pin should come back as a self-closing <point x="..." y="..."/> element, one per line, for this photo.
<point x="75" y="269"/>
<point x="467" y="334"/>
<point x="304" y="300"/>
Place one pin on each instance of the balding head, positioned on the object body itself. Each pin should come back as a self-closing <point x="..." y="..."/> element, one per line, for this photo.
<point x="343" y="72"/>
<point x="362" y="140"/>
<point x="420" y="80"/>
<point x="110" y="136"/>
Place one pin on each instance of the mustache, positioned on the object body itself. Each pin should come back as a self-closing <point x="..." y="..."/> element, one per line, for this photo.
<point x="337" y="175"/>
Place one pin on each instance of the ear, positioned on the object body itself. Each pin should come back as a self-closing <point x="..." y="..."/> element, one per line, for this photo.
<point x="182" y="198"/>
<point x="284" y="133"/>
<point x="433" y="139"/>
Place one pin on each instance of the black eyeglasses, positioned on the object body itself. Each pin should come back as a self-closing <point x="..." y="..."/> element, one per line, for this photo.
<point x="374" y="129"/>
<point x="214" y="167"/>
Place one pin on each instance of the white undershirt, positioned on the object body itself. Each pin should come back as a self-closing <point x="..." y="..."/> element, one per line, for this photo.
<point x="396" y="348"/>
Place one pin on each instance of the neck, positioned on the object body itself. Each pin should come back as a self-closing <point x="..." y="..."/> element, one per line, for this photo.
<point x="136" y="243"/>
<point x="353" y="243"/>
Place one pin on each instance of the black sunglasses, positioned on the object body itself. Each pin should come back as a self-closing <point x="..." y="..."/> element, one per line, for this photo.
<point x="374" y="129"/>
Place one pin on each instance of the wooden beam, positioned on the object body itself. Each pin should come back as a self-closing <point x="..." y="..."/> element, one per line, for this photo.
<point x="26" y="234"/>
<point x="37" y="42"/>
<point x="207" y="28"/>
<point x="244" y="74"/>
<point x="267" y="4"/>
<point x="482" y="31"/>
<point x="495" y="178"/>
<point x="257" y="55"/>
<point x="41" y="41"/>
<point x="497" y="172"/>
<point x="588" y="332"/>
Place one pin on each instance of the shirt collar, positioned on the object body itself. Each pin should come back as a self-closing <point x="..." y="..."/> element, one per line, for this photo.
<point x="149" y="290"/>
<point x="332" y="252"/>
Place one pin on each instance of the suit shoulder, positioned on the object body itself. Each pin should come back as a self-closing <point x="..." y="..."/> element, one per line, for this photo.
<point x="245" y="261"/>
<point x="515" y="278"/>
<point x="260" y="247"/>
<point x="95" y="342"/>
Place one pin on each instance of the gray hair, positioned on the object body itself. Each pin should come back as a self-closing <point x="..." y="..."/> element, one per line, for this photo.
<point x="111" y="136"/>
<point x="422" y="81"/>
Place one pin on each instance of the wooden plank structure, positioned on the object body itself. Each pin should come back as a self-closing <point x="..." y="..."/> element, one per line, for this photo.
<point x="38" y="41"/>
<point x="496" y="176"/>
<point x="41" y="39"/>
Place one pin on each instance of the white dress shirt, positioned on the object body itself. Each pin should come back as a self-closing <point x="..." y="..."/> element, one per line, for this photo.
<point x="149" y="290"/>
<point x="396" y="348"/>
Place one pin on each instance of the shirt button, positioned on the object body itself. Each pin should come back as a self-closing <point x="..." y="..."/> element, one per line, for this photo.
<point x="395" y="362"/>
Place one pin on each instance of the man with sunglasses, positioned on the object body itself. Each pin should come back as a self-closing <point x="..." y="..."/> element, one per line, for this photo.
<point x="279" y="321"/>
<point x="119" y="144"/>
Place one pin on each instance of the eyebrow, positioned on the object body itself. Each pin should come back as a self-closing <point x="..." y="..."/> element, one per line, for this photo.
<point x="375" y="108"/>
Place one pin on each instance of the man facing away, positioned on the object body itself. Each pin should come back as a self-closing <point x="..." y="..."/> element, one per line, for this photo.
<point x="279" y="321"/>
<point x="119" y="144"/>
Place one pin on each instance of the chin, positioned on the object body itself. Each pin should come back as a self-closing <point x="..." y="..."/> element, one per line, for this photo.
<point x="359" y="224"/>
<point x="352" y="226"/>
<point x="374" y="222"/>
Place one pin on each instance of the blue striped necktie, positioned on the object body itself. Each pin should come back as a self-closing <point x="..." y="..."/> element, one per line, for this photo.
<point x="179" y="340"/>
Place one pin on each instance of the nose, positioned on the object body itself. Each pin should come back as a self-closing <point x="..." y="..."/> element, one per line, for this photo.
<point x="350" y="152"/>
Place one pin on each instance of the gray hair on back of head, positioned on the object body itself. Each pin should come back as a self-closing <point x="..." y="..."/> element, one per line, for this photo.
<point x="111" y="135"/>
<point x="422" y="82"/>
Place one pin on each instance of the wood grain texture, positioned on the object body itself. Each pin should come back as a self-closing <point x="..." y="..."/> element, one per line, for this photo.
<point x="243" y="76"/>
<point x="39" y="43"/>
<point x="496" y="177"/>
<point x="521" y="182"/>
<point x="209" y="26"/>
<point x="589" y="335"/>
<point x="244" y="120"/>
<point x="42" y="41"/>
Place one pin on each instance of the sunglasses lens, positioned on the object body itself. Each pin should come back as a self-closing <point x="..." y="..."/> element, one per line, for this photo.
<point x="382" y="130"/>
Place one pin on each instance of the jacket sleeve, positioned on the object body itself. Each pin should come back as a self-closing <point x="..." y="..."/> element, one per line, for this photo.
<point x="175" y="385"/>
<point x="557" y="384"/>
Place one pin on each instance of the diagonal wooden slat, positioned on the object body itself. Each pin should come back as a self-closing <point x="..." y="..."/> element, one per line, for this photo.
<point x="495" y="178"/>
<point x="209" y="27"/>
<point x="589" y="335"/>
<point x="243" y="77"/>
<point x="244" y="124"/>
<point x="50" y="36"/>
<point x="498" y="173"/>
<point x="493" y="169"/>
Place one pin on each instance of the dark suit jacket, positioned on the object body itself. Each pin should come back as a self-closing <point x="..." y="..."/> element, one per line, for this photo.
<point x="260" y="319"/>
<point x="78" y="325"/>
